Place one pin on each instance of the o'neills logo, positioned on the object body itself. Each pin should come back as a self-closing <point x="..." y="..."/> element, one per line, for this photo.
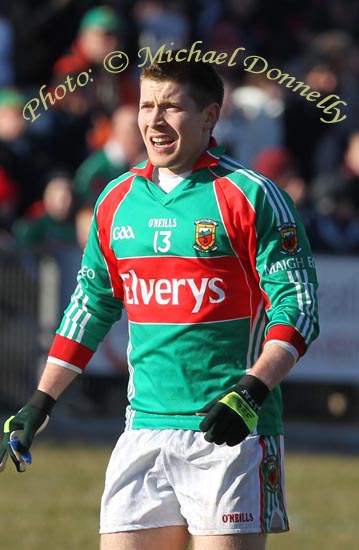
<point x="185" y="292"/>
<point x="241" y="517"/>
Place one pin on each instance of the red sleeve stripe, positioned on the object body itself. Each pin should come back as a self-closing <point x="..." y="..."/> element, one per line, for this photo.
<point x="70" y="352"/>
<point x="105" y="215"/>
<point x="289" y="334"/>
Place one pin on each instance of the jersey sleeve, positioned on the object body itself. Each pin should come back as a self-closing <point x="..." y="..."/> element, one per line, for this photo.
<point x="95" y="305"/>
<point x="286" y="269"/>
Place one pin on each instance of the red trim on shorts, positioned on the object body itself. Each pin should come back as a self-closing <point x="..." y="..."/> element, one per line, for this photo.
<point x="284" y="507"/>
<point x="261" y="484"/>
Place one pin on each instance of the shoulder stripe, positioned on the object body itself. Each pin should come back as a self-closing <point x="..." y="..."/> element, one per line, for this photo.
<point x="279" y="206"/>
<point x="127" y="179"/>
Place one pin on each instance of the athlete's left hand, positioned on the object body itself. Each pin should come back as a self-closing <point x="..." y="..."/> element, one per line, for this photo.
<point x="233" y="415"/>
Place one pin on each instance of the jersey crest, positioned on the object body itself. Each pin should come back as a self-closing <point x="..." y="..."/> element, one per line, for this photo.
<point x="205" y="235"/>
<point x="289" y="238"/>
<point x="270" y="469"/>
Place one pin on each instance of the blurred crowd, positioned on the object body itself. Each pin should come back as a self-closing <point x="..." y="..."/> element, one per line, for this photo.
<point x="79" y="131"/>
<point x="53" y="169"/>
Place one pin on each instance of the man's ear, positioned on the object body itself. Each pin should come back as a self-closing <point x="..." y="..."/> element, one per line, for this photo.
<point x="211" y="116"/>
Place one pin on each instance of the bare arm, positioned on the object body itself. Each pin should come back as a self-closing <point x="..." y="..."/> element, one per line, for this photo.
<point x="273" y="365"/>
<point x="55" y="379"/>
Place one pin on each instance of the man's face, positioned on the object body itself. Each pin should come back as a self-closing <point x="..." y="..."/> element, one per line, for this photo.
<point x="175" y="132"/>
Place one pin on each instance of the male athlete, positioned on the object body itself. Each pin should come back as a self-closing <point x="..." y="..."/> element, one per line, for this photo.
<point x="216" y="273"/>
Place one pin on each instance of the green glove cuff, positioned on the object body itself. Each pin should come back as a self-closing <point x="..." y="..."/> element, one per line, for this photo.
<point x="253" y="390"/>
<point x="42" y="401"/>
<point x="242" y="408"/>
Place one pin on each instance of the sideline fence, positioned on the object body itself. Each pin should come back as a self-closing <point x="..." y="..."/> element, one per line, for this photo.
<point x="28" y="312"/>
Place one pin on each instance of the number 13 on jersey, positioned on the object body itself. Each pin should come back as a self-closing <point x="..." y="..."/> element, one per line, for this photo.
<point x="161" y="241"/>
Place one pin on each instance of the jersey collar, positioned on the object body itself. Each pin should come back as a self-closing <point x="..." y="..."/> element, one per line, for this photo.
<point x="209" y="158"/>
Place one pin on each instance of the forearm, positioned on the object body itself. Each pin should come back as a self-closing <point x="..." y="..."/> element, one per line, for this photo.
<point x="273" y="365"/>
<point x="55" y="379"/>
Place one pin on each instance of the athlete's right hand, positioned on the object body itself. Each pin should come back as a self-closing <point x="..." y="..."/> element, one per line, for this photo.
<point x="20" y="430"/>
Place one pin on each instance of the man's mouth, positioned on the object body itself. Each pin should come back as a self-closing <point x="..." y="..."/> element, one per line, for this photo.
<point x="161" y="142"/>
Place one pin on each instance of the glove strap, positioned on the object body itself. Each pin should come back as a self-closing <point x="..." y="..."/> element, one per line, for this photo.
<point x="241" y="407"/>
<point x="42" y="401"/>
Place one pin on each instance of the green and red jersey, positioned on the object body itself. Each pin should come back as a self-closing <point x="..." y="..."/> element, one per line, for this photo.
<point x="208" y="274"/>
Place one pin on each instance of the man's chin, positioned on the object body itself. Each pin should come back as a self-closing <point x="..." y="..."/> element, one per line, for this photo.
<point x="159" y="162"/>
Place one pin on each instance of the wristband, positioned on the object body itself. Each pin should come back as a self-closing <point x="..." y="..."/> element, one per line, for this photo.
<point x="253" y="390"/>
<point x="42" y="401"/>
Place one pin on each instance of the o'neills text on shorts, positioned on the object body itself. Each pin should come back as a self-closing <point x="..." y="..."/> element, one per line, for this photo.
<point x="241" y="517"/>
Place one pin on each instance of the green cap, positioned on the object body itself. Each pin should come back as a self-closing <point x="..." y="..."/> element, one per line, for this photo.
<point x="10" y="97"/>
<point x="102" y="17"/>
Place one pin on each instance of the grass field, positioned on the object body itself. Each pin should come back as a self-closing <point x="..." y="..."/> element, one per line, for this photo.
<point x="55" y="505"/>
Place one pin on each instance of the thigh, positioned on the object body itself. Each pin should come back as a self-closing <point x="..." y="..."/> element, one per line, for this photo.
<point x="230" y="542"/>
<point x="162" y="538"/>
<point x="137" y="494"/>
<point x="229" y="490"/>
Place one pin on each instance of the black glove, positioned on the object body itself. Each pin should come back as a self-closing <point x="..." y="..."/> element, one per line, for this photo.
<point x="234" y="414"/>
<point x="20" y="430"/>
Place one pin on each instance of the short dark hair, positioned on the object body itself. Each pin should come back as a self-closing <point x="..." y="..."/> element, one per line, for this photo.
<point x="205" y="84"/>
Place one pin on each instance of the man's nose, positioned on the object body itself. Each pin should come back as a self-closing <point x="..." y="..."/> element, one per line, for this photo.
<point x="156" y="118"/>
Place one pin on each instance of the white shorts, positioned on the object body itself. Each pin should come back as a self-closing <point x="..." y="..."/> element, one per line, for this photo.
<point x="158" y="478"/>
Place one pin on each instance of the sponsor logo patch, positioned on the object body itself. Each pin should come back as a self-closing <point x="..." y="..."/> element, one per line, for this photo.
<point x="205" y="235"/>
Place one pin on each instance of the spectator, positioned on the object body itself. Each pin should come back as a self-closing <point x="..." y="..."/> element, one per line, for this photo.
<point x="12" y="124"/>
<point x="277" y="164"/>
<point x="325" y="65"/>
<point x="159" y="23"/>
<point x="98" y="35"/>
<point x="252" y="120"/>
<point x="49" y="224"/>
<point x="335" y="196"/>
<point x="41" y="32"/>
<point x="83" y="220"/>
<point x="122" y="150"/>
<point x="23" y="158"/>
<point x="6" y="45"/>
<point x="82" y="116"/>
<point x="9" y="197"/>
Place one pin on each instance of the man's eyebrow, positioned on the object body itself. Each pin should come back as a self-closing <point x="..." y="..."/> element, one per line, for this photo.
<point x="164" y="103"/>
<point x="171" y="103"/>
<point x="146" y="103"/>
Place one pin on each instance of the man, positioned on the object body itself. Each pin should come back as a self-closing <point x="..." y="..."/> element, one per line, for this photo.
<point x="218" y="280"/>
